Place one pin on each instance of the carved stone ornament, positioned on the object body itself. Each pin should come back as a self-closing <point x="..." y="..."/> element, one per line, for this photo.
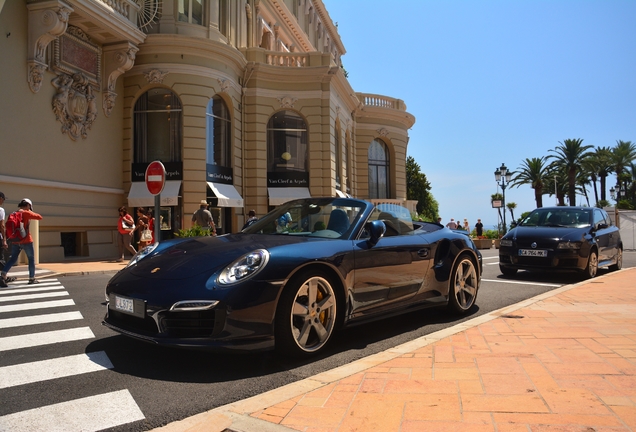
<point x="383" y="132"/>
<point x="74" y="104"/>
<point x="117" y="60"/>
<point x="108" y="102"/>
<point x="155" y="76"/>
<point x="36" y="75"/>
<point x="287" y="101"/>
<point x="47" y="21"/>
<point x="225" y="84"/>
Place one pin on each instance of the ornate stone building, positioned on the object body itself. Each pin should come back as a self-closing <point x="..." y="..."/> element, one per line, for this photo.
<point x="244" y="101"/>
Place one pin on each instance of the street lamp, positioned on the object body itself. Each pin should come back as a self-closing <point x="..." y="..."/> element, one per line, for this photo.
<point x="502" y="177"/>
<point x="613" y="193"/>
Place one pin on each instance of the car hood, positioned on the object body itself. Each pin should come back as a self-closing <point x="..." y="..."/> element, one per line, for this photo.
<point x="557" y="233"/>
<point x="207" y="254"/>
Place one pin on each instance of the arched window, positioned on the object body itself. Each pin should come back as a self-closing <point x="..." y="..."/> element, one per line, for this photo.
<point x="157" y="118"/>
<point x="218" y="133"/>
<point x="287" y="142"/>
<point x="378" y="170"/>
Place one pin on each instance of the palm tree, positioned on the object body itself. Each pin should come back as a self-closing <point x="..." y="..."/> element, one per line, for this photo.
<point x="532" y="172"/>
<point x="511" y="206"/>
<point x="622" y="155"/>
<point x="570" y="154"/>
<point x="602" y="160"/>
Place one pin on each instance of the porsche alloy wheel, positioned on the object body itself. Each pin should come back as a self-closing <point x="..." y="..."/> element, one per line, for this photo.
<point x="306" y="316"/>
<point x="464" y="283"/>
<point x="592" y="266"/>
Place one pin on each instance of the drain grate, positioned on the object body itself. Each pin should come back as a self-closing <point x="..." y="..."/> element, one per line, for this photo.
<point x="512" y="316"/>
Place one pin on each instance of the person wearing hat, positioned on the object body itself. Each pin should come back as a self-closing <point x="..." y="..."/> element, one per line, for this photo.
<point x="26" y="244"/>
<point x="203" y="218"/>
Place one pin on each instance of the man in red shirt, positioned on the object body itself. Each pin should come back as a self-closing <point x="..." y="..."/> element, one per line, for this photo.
<point x="26" y="244"/>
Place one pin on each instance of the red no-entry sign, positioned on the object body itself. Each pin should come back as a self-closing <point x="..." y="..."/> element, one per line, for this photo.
<point x="155" y="177"/>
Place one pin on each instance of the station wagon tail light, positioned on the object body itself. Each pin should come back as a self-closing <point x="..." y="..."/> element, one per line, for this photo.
<point x="505" y="242"/>
<point x="569" y="245"/>
<point x="244" y="267"/>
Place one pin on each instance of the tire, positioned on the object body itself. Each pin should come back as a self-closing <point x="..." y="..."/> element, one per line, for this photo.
<point x="306" y="315"/>
<point x="619" y="261"/>
<point x="463" y="285"/>
<point x="506" y="271"/>
<point x="591" y="269"/>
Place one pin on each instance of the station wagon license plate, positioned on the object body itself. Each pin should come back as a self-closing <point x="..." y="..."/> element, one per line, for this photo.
<point x="128" y="305"/>
<point x="533" y="252"/>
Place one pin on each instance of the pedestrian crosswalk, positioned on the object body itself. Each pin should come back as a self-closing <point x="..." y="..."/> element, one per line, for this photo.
<point x="34" y="312"/>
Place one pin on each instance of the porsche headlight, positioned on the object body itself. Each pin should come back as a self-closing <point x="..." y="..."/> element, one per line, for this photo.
<point x="142" y="254"/>
<point x="244" y="267"/>
<point x="569" y="245"/>
<point x="505" y="242"/>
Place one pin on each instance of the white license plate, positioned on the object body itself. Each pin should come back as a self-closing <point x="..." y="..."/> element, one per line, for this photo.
<point x="124" y="305"/>
<point x="533" y="252"/>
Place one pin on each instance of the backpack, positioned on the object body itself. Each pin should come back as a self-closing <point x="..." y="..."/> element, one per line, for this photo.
<point x="15" y="227"/>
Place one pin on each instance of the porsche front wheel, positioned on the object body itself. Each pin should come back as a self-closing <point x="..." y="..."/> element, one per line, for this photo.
<point x="306" y="315"/>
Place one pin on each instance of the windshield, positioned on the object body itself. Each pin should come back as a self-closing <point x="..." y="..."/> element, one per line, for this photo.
<point x="556" y="217"/>
<point x="323" y="217"/>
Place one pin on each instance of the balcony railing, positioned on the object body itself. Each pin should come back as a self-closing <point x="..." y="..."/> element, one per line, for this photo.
<point x="276" y="58"/>
<point x="373" y="100"/>
<point x="126" y="8"/>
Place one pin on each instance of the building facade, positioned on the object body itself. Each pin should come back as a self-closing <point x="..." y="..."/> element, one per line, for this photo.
<point x="245" y="103"/>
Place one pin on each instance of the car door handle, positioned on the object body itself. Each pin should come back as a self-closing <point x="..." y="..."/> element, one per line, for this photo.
<point x="422" y="253"/>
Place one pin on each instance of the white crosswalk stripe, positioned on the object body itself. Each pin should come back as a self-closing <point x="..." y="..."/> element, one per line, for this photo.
<point x="81" y="415"/>
<point x="33" y="296"/>
<point x="45" y="338"/>
<point x="55" y="368"/>
<point x="93" y="413"/>
<point x="6" y="291"/>
<point x="38" y="305"/>
<point x="39" y="319"/>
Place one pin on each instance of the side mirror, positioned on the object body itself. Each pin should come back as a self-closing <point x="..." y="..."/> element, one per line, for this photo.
<point x="376" y="230"/>
<point x="602" y="226"/>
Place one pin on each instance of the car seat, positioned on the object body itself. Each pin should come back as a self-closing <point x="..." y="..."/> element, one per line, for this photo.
<point x="338" y="221"/>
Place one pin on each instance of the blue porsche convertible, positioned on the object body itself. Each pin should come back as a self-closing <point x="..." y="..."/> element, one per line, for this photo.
<point x="293" y="278"/>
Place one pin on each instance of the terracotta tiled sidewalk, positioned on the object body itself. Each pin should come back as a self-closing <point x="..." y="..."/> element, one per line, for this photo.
<point x="563" y="363"/>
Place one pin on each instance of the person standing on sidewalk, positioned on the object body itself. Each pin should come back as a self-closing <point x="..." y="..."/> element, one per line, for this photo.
<point x="25" y="244"/>
<point x="204" y="219"/>
<point x="125" y="229"/>
<point x="4" y="249"/>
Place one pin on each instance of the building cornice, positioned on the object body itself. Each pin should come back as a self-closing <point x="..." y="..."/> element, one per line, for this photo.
<point x="161" y="44"/>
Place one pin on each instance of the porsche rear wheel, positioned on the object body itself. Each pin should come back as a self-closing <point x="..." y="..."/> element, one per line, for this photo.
<point x="464" y="283"/>
<point x="306" y="315"/>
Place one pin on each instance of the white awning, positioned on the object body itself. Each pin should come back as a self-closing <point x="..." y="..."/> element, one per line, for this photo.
<point x="227" y="194"/>
<point x="340" y="193"/>
<point x="278" y="195"/>
<point x="140" y="197"/>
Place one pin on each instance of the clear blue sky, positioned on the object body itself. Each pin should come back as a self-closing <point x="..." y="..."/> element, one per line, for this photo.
<point x="494" y="81"/>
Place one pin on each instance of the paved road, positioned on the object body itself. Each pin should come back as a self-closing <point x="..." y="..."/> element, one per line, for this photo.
<point x="57" y="358"/>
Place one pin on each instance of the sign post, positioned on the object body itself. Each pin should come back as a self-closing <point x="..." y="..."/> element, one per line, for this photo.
<point x="155" y="181"/>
